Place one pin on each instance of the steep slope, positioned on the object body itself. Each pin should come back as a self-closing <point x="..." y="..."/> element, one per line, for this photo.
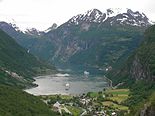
<point x="112" y="16"/>
<point x="17" y="63"/>
<point x="17" y="67"/>
<point x="140" y="66"/>
<point x="14" y="102"/>
<point x="93" y="40"/>
<point x="96" y="39"/>
<point x="26" y="39"/>
<point x="138" y="73"/>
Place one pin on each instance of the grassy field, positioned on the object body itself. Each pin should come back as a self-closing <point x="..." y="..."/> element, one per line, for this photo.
<point x="93" y="94"/>
<point x="118" y="95"/>
<point x="119" y="99"/>
<point x="118" y="91"/>
<point x="65" y="97"/>
<point x="74" y="110"/>
<point x="114" y="106"/>
<point x="115" y="98"/>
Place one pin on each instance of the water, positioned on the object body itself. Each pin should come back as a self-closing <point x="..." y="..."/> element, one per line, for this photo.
<point x="56" y="84"/>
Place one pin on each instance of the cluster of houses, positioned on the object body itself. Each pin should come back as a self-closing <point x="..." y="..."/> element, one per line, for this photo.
<point x="12" y="74"/>
<point x="86" y="105"/>
<point x="59" y="107"/>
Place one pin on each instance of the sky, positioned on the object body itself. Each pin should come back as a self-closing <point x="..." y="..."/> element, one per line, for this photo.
<point x="41" y="14"/>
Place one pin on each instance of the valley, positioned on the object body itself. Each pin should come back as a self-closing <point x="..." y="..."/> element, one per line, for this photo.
<point x="94" y="39"/>
<point x="107" y="102"/>
<point x="97" y="63"/>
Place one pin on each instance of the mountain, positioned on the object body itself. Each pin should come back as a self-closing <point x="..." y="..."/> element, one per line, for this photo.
<point x="112" y="17"/>
<point x="96" y="39"/>
<point x="24" y="38"/>
<point x="17" y="65"/>
<point x="15" y="102"/>
<point x="140" y="66"/>
<point x="100" y="40"/>
<point x="33" y="32"/>
<point x="138" y="73"/>
<point x="93" y="40"/>
<point x="53" y="27"/>
<point x="12" y="29"/>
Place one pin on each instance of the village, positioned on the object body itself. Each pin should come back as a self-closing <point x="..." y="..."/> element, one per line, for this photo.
<point x="109" y="102"/>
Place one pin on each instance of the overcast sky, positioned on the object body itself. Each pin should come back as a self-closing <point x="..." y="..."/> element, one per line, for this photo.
<point x="41" y="14"/>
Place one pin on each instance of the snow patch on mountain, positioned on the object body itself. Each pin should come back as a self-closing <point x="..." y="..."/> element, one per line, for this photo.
<point x="93" y="15"/>
<point x="118" y="15"/>
<point x="111" y="12"/>
<point x="53" y="27"/>
<point x="33" y="31"/>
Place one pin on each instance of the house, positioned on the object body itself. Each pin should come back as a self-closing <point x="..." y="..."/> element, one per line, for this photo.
<point x="113" y="114"/>
<point x="100" y="113"/>
<point x="57" y="107"/>
<point x="85" y="101"/>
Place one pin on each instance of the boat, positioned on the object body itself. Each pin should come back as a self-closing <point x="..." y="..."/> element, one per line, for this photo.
<point x="86" y="73"/>
<point x="67" y="86"/>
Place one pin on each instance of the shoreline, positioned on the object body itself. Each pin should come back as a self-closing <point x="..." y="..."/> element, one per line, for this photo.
<point x="54" y="91"/>
<point x="110" y="82"/>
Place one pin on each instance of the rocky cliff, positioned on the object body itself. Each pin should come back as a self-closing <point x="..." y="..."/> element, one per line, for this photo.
<point x="141" y="65"/>
<point x="138" y="74"/>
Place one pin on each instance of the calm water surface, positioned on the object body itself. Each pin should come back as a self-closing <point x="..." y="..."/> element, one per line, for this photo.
<point x="56" y="84"/>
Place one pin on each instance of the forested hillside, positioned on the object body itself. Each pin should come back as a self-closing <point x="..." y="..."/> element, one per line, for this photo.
<point x="14" y="102"/>
<point x="18" y="63"/>
<point x="17" y="67"/>
<point x="138" y="73"/>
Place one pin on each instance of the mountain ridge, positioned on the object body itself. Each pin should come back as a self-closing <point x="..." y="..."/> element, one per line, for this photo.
<point x="18" y="63"/>
<point x="140" y="65"/>
<point x="71" y="41"/>
<point x="101" y="16"/>
<point x="138" y="74"/>
<point x="96" y="16"/>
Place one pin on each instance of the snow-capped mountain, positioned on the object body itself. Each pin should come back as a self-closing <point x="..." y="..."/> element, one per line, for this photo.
<point x="94" y="39"/>
<point x="90" y="16"/>
<point x="9" y="26"/>
<point x="33" y="31"/>
<point x="12" y="28"/>
<point x="112" y="16"/>
<point x="53" y="27"/>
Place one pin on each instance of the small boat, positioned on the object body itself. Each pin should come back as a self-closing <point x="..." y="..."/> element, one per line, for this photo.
<point x="67" y="86"/>
<point x="86" y="73"/>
